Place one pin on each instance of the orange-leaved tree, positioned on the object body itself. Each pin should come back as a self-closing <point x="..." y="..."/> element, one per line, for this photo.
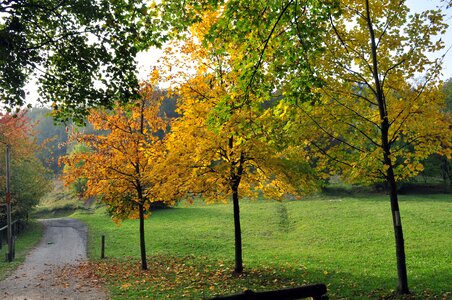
<point x="218" y="148"/>
<point x="120" y="166"/>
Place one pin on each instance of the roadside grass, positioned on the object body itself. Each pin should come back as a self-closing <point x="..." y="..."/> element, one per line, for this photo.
<point x="344" y="242"/>
<point x="24" y="243"/>
<point x="59" y="211"/>
<point x="57" y="204"/>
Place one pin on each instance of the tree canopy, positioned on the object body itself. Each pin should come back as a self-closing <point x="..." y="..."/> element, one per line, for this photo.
<point x="120" y="164"/>
<point x="30" y="180"/>
<point x="218" y="147"/>
<point x="265" y="90"/>
<point x="80" y="52"/>
<point x="369" y="122"/>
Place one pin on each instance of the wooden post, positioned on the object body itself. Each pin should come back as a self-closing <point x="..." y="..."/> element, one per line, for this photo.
<point x="8" y="206"/>
<point x="13" y="251"/>
<point x="316" y="291"/>
<point x="102" y="249"/>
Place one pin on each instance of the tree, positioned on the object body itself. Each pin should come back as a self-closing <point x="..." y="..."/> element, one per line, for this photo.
<point x="218" y="147"/>
<point x="29" y="179"/>
<point x="81" y="52"/>
<point x="447" y="90"/>
<point x="374" y="121"/>
<point x="439" y="164"/>
<point x="121" y="164"/>
<point x="446" y="162"/>
<point x="276" y="39"/>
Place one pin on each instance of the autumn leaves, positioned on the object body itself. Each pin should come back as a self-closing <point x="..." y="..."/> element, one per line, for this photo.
<point x="271" y="98"/>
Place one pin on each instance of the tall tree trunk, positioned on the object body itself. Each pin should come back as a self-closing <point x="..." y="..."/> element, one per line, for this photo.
<point x="402" y="282"/>
<point x="236" y="177"/>
<point x="144" y="263"/>
<point x="238" y="232"/>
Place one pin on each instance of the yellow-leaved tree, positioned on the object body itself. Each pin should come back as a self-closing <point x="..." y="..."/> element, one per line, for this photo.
<point x="120" y="166"/>
<point x="218" y="148"/>
<point x="374" y="121"/>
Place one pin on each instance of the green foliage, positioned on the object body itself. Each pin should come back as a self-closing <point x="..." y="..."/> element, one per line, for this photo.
<point x="81" y="52"/>
<point x="343" y="242"/>
<point x="370" y="120"/>
<point x="276" y="39"/>
<point x="179" y="15"/>
<point x="30" y="181"/>
<point x="59" y="202"/>
<point x="447" y="90"/>
<point x="437" y="169"/>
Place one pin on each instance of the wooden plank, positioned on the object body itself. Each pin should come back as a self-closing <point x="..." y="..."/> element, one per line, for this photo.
<point x="315" y="291"/>
<point x="6" y="226"/>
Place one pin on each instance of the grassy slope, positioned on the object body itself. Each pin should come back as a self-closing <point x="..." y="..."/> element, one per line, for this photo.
<point x="24" y="243"/>
<point x="57" y="203"/>
<point x="346" y="243"/>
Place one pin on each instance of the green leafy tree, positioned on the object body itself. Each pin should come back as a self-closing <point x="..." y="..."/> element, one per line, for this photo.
<point x="445" y="162"/>
<point x="447" y="89"/>
<point x="80" y="52"/>
<point x="30" y="181"/>
<point x="276" y="40"/>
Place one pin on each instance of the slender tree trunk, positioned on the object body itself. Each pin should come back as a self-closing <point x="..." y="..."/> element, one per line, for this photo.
<point x="236" y="177"/>
<point x="238" y="232"/>
<point x="144" y="263"/>
<point x="402" y="283"/>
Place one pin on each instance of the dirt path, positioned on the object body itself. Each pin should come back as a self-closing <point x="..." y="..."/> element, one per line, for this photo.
<point x="50" y="270"/>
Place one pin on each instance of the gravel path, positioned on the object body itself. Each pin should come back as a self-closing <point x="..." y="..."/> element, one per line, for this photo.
<point x="50" y="271"/>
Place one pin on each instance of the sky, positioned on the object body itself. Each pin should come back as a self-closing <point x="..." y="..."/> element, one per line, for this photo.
<point x="150" y="58"/>
<point x="422" y="5"/>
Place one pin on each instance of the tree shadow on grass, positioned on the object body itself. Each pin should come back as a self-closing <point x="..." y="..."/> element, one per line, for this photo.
<point x="194" y="277"/>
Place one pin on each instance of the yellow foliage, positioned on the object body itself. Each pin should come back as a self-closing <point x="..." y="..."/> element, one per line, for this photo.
<point x="370" y="96"/>
<point x="220" y="144"/>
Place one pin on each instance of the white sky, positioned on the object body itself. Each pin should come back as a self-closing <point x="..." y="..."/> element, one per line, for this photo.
<point x="422" y="5"/>
<point x="149" y="59"/>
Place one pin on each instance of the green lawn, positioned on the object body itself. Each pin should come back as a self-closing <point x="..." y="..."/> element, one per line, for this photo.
<point x="347" y="243"/>
<point x="24" y="242"/>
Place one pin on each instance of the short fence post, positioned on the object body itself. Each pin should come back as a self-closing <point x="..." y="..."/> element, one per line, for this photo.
<point x="14" y="248"/>
<point x="102" y="249"/>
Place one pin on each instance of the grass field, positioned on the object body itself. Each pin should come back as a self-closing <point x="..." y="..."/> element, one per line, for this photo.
<point x="347" y="243"/>
<point x="24" y="243"/>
